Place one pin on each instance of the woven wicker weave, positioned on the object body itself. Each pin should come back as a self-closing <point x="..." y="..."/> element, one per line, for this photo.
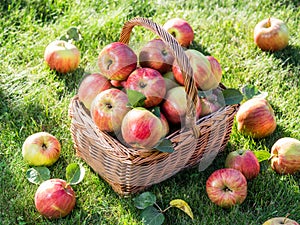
<point x="130" y="170"/>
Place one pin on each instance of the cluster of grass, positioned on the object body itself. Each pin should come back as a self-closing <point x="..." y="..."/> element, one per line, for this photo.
<point x="33" y="99"/>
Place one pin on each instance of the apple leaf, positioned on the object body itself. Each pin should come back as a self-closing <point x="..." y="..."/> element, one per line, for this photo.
<point x="151" y="216"/>
<point x="75" y="173"/>
<point x="232" y="96"/>
<point x="156" y="111"/>
<point x="71" y="34"/>
<point x="181" y="204"/>
<point x="37" y="175"/>
<point x="165" y="145"/>
<point x="262" y="155"/>
<point x="144" y="200"/>
<point x="135" y="98"/>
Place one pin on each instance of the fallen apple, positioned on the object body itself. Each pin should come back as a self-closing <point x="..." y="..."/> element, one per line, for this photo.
<point x="90" y="87"/>
<point x="226" y="187"/>
<point x="245" y="161"/>
<point x="271" y="34"/>
<point x="54" y="198"/>
<point x="280" y="220"/>
<point x="256" y="118"/>
<point x="41" y="149"/>
<point x="62" y="56"/>
<point x="285" y="155"/>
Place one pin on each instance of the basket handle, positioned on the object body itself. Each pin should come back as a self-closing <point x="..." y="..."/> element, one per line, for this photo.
<point x="182" y="60"/>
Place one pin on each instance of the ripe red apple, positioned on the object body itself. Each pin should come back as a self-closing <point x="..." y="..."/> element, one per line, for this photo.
<point x="54" y="198"/>
<point x="203" y="75"/>
<point x="108" y="110"/>
<point x="174" y="106"/>
<point x="216" y="68"/>
<point x="256" y="118"/>
<point x="41" y="149"/>
<point x="208" y="107"/>
<point x="165" y="124"/>
<point x="245" y="161"/>
<point x="116" y="61"/>
<point x="285" y="155"/>
<point x="279" y="221"/>
<point x="62" y="56"/>
<point x="90" y="86"/>
<point x="181" y="30"/>
<point x="156" y="55"/>
<point x="271" y="34"/>
<point x="141" y="128"/>
<point x="226" y="187"/>
<point x="150" y="83"/>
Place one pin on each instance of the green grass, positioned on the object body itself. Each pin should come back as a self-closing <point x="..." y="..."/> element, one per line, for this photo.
<point x="33" y="99"/>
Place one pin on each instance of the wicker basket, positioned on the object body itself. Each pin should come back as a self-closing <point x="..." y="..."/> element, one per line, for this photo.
<point x="130" y="170"/>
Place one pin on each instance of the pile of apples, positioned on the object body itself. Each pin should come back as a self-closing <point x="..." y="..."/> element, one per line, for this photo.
<point x="138" y="96"/>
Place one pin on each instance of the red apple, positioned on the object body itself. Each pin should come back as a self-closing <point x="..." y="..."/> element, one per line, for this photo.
<point x="203" y="75"/>
<point x="271" y="34"/>
<point x="118" y="83"/>
<point x="62" y="56"/>
<point x="226" y="187"/>
<point x="208" y="107"/>
<point x="174" y="106"/>
<point x="170" y="80"/>
<point x="108" y="110"/>
<point x="116" y="61"/>
<point x="156" y="55"/>
<point x="280" y="220"/>
<point x="285" y="155"/>
<point x="181" y="30"/>
<point x="165" y="124"/>
<point x="41" y="149"/>
<point x="141" y="128"/>
<point x="256" y="118"/>
<point x="90" y="86"/>
<point x="216" y="68"/>
<point x="150" y="83"/>
<point x="54" y="198"/>
<point x="245" y="161"/>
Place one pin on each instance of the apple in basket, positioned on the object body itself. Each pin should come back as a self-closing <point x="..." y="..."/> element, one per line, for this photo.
<point x="280" y="220"/>
<point x="174" y="106"/>
<point x="271" y="34"/>
<point x="156" y="55"/>
<point x="285" y="156"/>
<point x="41" y="149"/>
<point x="90" y="86"/>
<point x="108" y="110"/>
<point x="170" y="80"/>
<point x="62" y="56"/>
<point x="116" y="61"/>
<point x="141" y="128"/>
<point x="244" y="161"/>
<point x="54" y="198"/>
<point x="226" y="187"/>
<point x="150" y="83"/>
<point x="203" y="75"/>
<point x="216" y="68"/>
<point x="181" y="30"/>
<point x="209" y="106"/>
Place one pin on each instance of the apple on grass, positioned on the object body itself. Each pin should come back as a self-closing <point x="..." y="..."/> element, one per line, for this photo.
<point x="108" y="110"/>
<point x="181" y="30"/>
<point x="226" y="187"/>
<point x="41" y="149"/>
<point x="245" y="161"/>
<point x="116" y="61"/>
<point x="54" y="198"/>
<point x="271" y="34"/>
<point x="156" y="55"/>
<point x="285" y="156"/>
<point x="150" y="83"/>
<point x="91" y="86"/>
<point x="279" y="221"/>
<point x="141" y="128"/>
<point x="62" y="56"/>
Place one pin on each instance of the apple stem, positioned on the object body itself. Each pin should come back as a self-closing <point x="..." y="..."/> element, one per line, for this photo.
<point x="269" y="22"/>
<point x="159" y="207"/>
<point x="286" y="217"/>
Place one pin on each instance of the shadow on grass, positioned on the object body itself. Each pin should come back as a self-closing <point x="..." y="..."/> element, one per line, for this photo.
<point x="289" y="56"/>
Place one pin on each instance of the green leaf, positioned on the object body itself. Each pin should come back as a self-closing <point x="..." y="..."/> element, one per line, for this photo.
<point x="144" y="200"/>
<point x="156" y="111"/>
<point x="151" y="216"/>
<point x="262" y="155"/>
<point x="135" y="98"/>
<point x="74" y="34"/>
<point x="232" y="96"/>
<point x="75" y="173"/>
<point x="181" y="204"/>
<point x="165" y="145"/>
<point x="249" y="91"/>
<point x="37" y="175"/>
